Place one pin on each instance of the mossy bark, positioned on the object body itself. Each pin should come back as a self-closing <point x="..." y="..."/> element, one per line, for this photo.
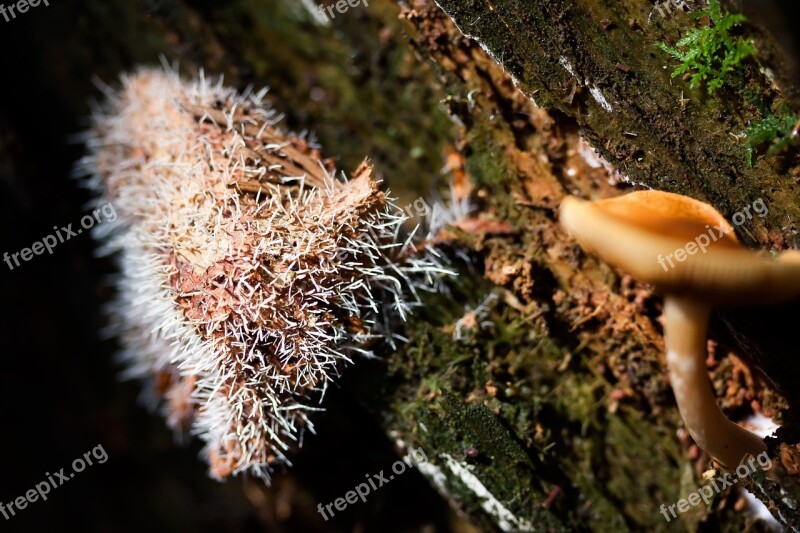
<point x="599" y="414"/>
<point x="536" y="386"/>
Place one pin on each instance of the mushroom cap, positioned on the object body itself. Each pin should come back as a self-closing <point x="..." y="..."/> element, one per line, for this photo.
<point x="644" y="233"/>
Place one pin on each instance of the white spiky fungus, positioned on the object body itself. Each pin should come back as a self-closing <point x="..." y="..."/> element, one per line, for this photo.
<point x="248" y="274"/>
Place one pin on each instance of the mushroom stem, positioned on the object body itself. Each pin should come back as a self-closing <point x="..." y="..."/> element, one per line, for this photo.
<point x="685" y="326"/>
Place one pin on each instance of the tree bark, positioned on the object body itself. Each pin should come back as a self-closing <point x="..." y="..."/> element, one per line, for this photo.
<point x="609" y="443"/>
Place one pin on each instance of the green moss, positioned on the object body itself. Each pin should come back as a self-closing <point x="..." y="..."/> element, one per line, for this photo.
<point x="774" y="130"/>
<point x="486" y="161"/>
<point x="501" y="464"/>
<point x="710" y="54"/>
<point x="503" y="391"/>
<point x="626" y="482"/>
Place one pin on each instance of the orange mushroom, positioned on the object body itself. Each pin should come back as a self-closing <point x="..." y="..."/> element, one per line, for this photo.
<point x="690" y="254"/>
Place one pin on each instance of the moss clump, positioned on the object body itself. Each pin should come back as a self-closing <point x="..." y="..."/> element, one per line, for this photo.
<point x="775" y="129"/>
<point x="710" y="54"/>
<point x="713" y="56"/>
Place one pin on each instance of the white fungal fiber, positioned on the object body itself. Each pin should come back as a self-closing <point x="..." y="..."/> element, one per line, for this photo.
<point x="248" y="274"/>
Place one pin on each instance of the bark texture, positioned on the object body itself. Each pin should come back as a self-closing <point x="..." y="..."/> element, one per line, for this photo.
<point x="594" y="67"/>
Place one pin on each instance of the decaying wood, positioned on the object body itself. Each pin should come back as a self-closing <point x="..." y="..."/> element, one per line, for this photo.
<point x="602" y="329"/>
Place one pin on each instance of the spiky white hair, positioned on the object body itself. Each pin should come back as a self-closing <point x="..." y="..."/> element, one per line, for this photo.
<point x="248" y="274"/>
